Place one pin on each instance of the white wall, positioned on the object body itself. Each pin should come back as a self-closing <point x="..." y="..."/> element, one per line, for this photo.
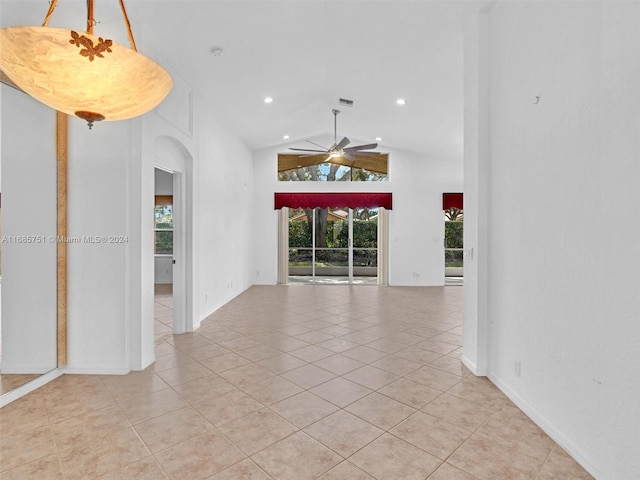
<point x="1" y="89"/>
<point x="225" y="222"/>
<point x="563" y="223"/>
<point x="416" y="223"/>
<point x="28" y="158"/>
<point x="476" y="192"/>
<point x="163" y="182"/>
<point x="97" y="272"/>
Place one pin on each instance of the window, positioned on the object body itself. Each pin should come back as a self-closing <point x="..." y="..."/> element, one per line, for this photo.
<point x="163" y="225"/>
<point x="292" y="168"/>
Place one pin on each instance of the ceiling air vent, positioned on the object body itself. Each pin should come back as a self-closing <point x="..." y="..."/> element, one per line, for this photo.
<point x="345" y="102"/>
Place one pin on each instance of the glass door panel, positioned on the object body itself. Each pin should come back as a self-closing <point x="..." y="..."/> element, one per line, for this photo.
<point x="300" y="244"/>
<point x="454" y="247"/>
<point x="331" y="245"/>
<point x="365" y="244"/>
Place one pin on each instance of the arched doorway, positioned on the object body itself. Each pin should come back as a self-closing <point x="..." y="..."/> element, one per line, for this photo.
<point x="173" y="157"/>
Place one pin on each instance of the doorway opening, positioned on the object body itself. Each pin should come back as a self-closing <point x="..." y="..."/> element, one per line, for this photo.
<point x="452" y="205"/>
<point x="163" y="250"/>
<point x="170" y="244"/>
<point x="333" y="246"/>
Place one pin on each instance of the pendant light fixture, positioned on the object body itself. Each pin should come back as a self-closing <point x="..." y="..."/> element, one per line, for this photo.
<point x="82" y="74"/>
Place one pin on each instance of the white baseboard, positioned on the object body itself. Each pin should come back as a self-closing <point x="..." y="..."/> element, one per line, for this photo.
<point x="16" y="393"/>
<point x="96" y="371"/>
<point x="478" y="372"/>
<point x="147" y="362"/>
<point x="540" y="420"/>
<point x="471" y="366"/>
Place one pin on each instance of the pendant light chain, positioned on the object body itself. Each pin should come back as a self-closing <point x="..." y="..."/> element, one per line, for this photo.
<point x="91" y="20"/>
<point x="90" y="17"/>
<point x="126" y="21"/>
<point x="52" y="7"/>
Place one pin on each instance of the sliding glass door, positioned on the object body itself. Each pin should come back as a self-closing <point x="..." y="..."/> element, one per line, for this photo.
<point x="329" y="245"/>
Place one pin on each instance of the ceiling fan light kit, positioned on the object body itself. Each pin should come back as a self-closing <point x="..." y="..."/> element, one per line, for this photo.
<point x="82" y="74"/>
<point x="338" y="153"/>
<point x="340" y="149"/>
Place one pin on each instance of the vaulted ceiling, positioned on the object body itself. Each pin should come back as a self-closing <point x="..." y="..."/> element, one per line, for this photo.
<point x="305" y="55"/>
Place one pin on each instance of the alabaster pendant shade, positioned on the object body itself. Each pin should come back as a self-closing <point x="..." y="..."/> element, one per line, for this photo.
<point x="81" y="74"/>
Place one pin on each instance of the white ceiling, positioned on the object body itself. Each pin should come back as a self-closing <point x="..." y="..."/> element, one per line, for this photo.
<point x="306" y="55"/>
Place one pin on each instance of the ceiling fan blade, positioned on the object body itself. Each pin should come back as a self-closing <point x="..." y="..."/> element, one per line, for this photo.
<point x="313" y="143"/>
<point x="343" y="143"/>
<point x="368" y="146"/>
<point x="307" y="150"/>
<point x="359" y="152"/>
<point x="311" y="154"/>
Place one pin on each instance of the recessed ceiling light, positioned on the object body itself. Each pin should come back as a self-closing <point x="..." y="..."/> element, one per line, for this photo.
<point x="401" y="101"/>
<point x="378" y="139"/>
<point x="268" y="99"/>
<point x="286" y="137"/>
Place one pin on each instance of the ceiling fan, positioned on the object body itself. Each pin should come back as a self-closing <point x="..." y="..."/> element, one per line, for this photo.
<point x="340" y="149"/>
<point x="339" y="153"/>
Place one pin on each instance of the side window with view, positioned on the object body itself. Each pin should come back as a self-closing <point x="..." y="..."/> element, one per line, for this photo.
<point x="453" y="245"/>
<point x="163" y="227"/>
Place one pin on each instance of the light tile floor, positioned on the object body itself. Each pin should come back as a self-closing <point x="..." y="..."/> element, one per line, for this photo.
<point x="297" y="382"/>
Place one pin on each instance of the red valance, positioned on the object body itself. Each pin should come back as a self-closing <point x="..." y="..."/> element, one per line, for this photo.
<point x="451" y="200"/>
<point x="333" y="200"/>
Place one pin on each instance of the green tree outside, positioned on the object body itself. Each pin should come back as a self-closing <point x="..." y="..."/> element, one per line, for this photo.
<point x="453" y="238"/>
<point x="163" y="229"/>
